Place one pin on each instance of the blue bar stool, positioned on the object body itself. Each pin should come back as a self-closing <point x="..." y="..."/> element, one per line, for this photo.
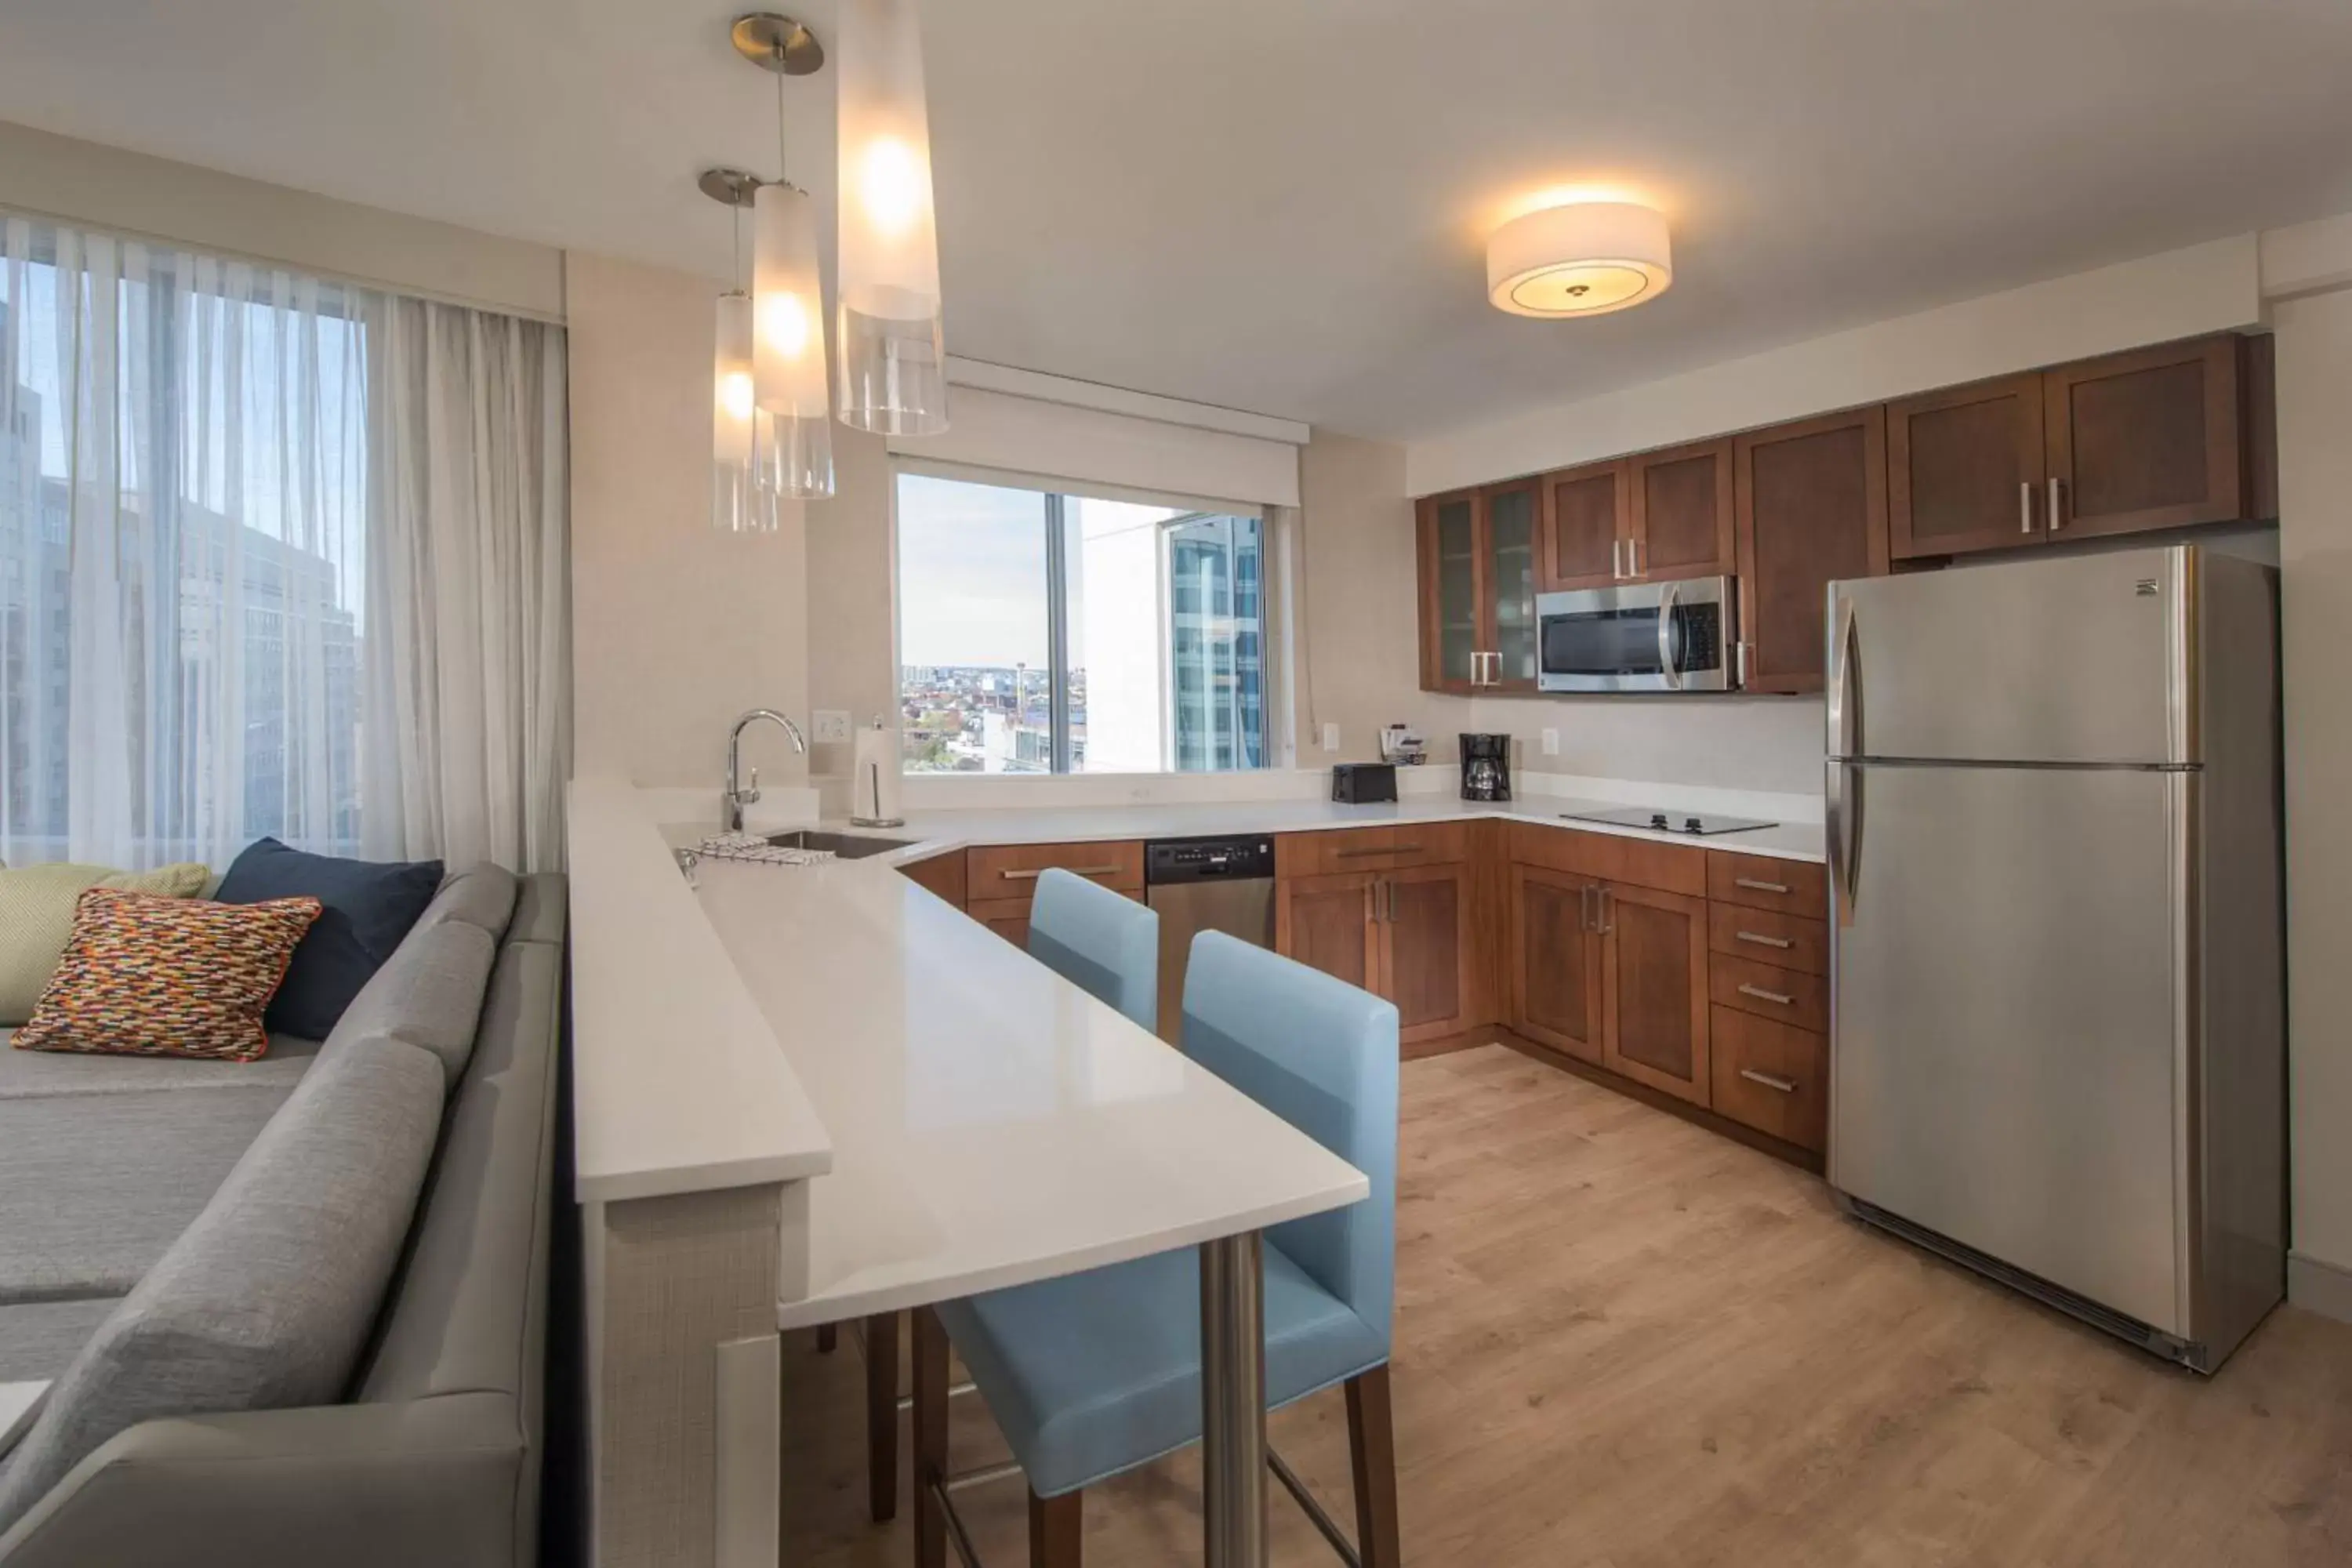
<point x="1092" y="1375"/>
<point x="1109" y="945"/>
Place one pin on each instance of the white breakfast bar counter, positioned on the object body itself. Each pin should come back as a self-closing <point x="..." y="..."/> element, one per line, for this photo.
<point x="808" y="1094"/>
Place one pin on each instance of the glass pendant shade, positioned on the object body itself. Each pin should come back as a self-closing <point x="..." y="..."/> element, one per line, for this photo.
<point x="739" y="501"/>
<point x="788" y="352"/>
<point x="893" y="362"/>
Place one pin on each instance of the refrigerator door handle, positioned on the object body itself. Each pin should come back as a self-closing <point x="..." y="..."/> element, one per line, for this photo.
<point x="1668" y="666"/>
<point x="1846" y="694"/>
<point x="1842" y="816"/>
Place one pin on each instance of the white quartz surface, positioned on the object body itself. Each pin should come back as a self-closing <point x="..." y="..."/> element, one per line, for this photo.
<point x="992" y="1123"/>
<point x="1050" y="825"/>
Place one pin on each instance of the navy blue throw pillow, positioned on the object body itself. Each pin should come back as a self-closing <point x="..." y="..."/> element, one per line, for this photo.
<point x="369" y="907"/>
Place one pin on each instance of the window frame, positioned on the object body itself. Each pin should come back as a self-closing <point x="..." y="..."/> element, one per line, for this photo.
<point x="1055" y="493"/>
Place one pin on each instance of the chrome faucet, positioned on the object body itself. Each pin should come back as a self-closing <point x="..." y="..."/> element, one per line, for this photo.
<point x="736" y="799"/>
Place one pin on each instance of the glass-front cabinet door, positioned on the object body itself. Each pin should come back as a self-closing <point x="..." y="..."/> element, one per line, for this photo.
<point x="1452" y="645"/>
<point x="1510" y="562"/>
<point x="1478" y="590"/>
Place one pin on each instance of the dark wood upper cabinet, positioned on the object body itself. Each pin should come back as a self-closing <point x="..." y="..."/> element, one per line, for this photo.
<point x="1679" y="523"/>
<point x="1450" y="592"/>
<point x="2147" y="439"/>
<point x="1508" y="546"/>
<point x="1478" y="552"/>
<point x="1812" y="504"/>
<point x="1584" y="526"/>
<point x="1964" y="468"/>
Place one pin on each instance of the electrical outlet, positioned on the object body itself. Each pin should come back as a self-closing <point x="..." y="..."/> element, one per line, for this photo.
<point x="832" y="725"/>
<point x="1330" y="737"/>
<point x="1551" y="743"/>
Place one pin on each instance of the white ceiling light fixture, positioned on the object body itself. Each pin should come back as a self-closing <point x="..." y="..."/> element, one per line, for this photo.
<point x="893" y="358"/>
<point x="1582" y="259"/>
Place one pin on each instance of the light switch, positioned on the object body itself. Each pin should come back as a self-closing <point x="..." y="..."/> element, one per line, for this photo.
<point x="832" y="725"/>
<point x="1330" y="737"/>
<point x="1551" y="743"/>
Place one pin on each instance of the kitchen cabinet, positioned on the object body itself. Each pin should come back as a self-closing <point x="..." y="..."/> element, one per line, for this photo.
<point x="1655" y="989"/>
<point x="2153" y="438"/>
<point x="1008" y="917"/>
<point x="1810" y="508"/>
<point x="1586" y="519"/>
<point x="1679" y="520"/>
<point x="943" y="874"/>
<point x="1477" y="554"/>
<point x="1555" y="945"/>
<point x="1400" y="924"/>
<point x="1771" y="1077"/>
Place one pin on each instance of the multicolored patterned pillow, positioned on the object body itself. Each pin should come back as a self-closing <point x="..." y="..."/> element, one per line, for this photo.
<point x="150" y="976"/>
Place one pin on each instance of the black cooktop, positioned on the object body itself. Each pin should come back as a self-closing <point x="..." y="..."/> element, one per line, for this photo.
<point x="1701" y="825"/>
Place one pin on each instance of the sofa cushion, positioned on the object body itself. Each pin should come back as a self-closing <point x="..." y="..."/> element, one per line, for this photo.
<point x="38" y="1075"/>
<point x="144" y="975"/>
<point x="478" y="1248"/>
<point x="38" y="1338"/>
<point x="482" y="895"/>
<point x="95" y="1188"/>
<point x="366" y="908"/>
<point x="540" y="908"/>
<point x="264" y="1300"/>
<point x="37" y="912"/>
<point x="429" y="994"/>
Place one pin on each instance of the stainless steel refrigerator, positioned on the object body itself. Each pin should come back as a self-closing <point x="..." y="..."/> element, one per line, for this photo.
<point x="2057" y="983"/>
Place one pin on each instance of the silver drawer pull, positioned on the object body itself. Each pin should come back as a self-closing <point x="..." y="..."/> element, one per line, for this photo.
<point x="1782" y="942"/>
<point x="1776" y="1085"/>
<point x="1755" y="886"/>
<point x="1763" y="996"/>
<point x="1388" y="849"/>
<point x="1073" y="870"/>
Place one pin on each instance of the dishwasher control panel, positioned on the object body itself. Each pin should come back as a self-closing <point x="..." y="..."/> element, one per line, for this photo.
<point x="1207" y="859"/>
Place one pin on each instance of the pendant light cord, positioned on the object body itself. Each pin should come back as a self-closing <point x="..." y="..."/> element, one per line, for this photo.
<point x="735" y="247"/>
<point x="783" y="170"/>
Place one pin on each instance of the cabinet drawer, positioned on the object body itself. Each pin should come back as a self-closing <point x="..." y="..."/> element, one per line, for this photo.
<point x="1371" y="849"/>
<point x="1761" y="882"/>
<point x="1784" y="996"/>
<point x="1008" y="917"/>
<point x="1785" y="942"/>
<point x="1010" y="870"/>
<point x="1609" y="858"/>
<point x="1770" y="1077"/>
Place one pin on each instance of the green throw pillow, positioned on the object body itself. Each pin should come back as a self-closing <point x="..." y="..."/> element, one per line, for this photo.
<point x="37" y="911"/>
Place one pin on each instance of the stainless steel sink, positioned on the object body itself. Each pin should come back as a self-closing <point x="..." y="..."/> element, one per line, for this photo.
<point x="845" y="846"/>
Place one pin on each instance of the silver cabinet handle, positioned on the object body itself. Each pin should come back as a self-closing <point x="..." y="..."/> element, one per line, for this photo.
<point x="1585" y="918"/>
<point x="1740" y="652"/>
<point x="1780" y="942"/>
<point x="1759" y="887"/>
<point x="1388" y="903"/>
<point x="2025" y="506"/>
<point x="1777" y="1085"/>
<point x="1608" y="907"/>
<point x="1354" y="854"/>
<point x="1761" y="995"/>
<point x="1073" y="870"/>
<point x="1633" y="558"/>
<point x="2057" y="503"/>
<point x="1617" y="559"/>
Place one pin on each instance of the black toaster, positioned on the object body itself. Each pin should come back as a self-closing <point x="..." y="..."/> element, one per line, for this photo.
<point x="1359" y="783"/>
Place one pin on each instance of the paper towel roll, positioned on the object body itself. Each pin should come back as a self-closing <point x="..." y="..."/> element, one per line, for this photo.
<point x="876" y="796"/>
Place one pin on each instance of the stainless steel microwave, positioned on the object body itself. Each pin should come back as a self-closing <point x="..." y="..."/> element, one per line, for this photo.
<point x="1642" y="637"/>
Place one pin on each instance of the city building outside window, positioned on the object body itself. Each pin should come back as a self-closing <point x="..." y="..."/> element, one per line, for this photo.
<point x="1046" y="631"/>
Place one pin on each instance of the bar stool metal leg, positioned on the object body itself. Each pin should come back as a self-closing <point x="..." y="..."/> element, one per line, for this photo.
<point x="1233" y="1402"/>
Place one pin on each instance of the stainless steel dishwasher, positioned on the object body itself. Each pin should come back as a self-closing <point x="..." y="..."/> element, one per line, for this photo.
<point x="1204" y="884"/>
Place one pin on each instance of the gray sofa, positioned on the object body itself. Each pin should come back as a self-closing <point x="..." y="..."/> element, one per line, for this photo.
<point x="294" y="1312"/>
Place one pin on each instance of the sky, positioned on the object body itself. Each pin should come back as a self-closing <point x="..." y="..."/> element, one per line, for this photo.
<point x="971" y="573"/>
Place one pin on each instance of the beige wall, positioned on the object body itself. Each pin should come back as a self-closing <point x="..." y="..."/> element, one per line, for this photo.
<point x="853" y="601"/>
<point x="676" y="628"/>
<point x="2314" y="398"/>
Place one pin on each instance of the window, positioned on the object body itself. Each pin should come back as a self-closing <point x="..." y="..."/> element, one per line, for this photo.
<point x="1047" y="632"/>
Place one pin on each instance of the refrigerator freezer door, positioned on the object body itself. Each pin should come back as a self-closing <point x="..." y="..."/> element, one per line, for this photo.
<point x="2006" y="1028"/>
<point x="2066" y="660"/>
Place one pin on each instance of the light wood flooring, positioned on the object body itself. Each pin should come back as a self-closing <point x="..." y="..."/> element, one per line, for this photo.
<point x="1622" y="1341"/>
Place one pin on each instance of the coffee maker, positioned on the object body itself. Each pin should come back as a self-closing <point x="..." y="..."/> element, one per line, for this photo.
<point x="1486" y="767"/>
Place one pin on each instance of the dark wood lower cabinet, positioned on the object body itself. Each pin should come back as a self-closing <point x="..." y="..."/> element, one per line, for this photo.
<point x="1771" y="1077"/>
<point x="1654" y="989"/>
<point x="1555" y="971"/>
<point x="1008" y="917"/>
<point x="1426" y="953"/>
<point x="1326" y="922"/>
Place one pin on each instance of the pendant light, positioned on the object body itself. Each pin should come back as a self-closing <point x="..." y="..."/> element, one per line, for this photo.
<point x="892" y="359"/>
<point x="742" y="492"/>
<point x="787" y="298"/>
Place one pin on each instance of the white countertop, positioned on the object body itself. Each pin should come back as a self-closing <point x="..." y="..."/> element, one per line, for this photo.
<point x="992" y="1122"/>
<point x="940" y="830"/>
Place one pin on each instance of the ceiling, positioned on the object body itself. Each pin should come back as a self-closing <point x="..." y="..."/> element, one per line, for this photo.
<point x="1280" y="205"/>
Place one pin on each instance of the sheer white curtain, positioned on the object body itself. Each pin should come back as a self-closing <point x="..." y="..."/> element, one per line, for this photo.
<point x="198" y="494"/>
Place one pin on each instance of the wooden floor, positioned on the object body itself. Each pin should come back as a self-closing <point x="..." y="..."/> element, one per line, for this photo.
<point x="1622" y="1341"/>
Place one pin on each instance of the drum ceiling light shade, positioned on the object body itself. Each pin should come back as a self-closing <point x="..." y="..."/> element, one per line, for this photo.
<point x="892" y="357"/>
<point x="1586" y="259"/>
